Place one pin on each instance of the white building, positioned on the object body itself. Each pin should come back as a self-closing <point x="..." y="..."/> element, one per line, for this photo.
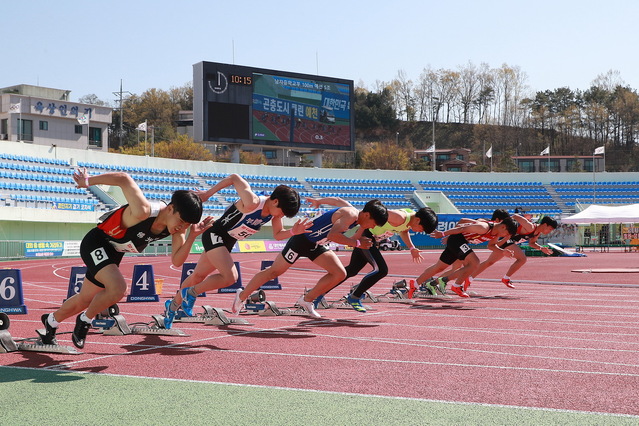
<point x="44" y="116"/>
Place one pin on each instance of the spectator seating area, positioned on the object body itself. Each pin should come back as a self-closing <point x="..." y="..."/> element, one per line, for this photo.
<point x="483" y="198"/>
<point x="623" y="192"/>
<point x="41" y="183"/>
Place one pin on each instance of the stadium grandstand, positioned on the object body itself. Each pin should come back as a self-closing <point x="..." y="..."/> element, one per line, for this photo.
<point x="40" y="200"/>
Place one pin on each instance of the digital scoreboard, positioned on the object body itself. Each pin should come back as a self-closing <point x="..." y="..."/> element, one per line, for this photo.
<point x="252" y="106"/>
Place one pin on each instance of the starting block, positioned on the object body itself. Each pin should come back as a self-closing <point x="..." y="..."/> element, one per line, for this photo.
<point x="210" y="316"/>
<point x="271" y="310"/>
<point x="7" y="344"/>
<point x="401" y="292"/>
<point x="111" y="323"/>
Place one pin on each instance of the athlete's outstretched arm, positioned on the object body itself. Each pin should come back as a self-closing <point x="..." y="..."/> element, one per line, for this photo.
<point x="139" y="207"/>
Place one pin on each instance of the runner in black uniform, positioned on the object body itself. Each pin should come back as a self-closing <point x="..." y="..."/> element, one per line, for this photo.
<point x="329" y="226"/>
<point x="241" y="220"/>
<point x="130" y="228"/>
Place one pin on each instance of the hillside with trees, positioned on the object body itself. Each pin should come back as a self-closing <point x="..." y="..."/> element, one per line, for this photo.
<point x="474" y="107"/>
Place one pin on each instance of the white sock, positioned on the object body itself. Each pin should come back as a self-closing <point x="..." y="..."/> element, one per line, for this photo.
<point x="506" y="277"/>
<point x="470" y="279"/>
<point x="85" y="318"/>
<point x="52" y="322"/>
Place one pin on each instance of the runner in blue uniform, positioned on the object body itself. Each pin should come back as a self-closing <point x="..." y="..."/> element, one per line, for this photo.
<point x="241" y="220"/>
<point x="329" y="226"/>
<point x="128" y="229"/>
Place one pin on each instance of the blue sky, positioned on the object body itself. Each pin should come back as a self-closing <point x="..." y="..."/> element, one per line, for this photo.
<point x="88" y="47"/>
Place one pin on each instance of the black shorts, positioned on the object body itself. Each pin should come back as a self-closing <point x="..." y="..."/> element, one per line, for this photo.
<point x="97" y="252"/>
<point x="212" y="239"/>
<point x="513" y="240"/>
<point x="300" y="246"/>
<point x="457" y="248"/>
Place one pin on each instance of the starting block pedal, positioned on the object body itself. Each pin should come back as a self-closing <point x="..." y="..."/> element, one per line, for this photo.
<point x="117" y="326"/>
<point x="210" y="316"/>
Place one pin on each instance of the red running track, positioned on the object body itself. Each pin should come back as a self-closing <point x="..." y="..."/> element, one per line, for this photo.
<point x="544" y="344"/>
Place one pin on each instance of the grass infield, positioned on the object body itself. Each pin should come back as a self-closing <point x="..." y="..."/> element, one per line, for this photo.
<point x="36" y="397"/>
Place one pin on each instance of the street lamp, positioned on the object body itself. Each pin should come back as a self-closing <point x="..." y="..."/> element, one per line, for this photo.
<point x="434" y="155"/>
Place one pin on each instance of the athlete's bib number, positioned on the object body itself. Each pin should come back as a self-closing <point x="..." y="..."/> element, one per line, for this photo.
<point x="99" y="256"/>
<point x="242" y="232"/>
<point x="291" y="256"/>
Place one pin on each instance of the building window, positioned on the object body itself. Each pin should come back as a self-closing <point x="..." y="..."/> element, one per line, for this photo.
<point x="44" y="125"/>
<point x="455" y="169"/>
<point x="25" y="130"/>
<point x="95" y="136"/>
<point x="460" y="156"/>
<point x="78" y="129"/>
<point x="544" y="165"/>
<point x="526" y="166"/>
<point x="588" y="165"/>
<point x="270" y="155"/>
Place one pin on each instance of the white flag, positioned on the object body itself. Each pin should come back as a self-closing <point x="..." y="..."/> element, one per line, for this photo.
<point x="84" y="119"/>
<point x="545" y="151"/>
<point x="15" y="108"/>
<point x="142" y="127"/>
<point x="431" y="149"/>
<point x="600" y="150"/>
<point x="489" y="153"/>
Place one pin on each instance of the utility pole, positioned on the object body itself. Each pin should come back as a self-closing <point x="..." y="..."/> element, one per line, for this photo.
<point x="120" y="108"/>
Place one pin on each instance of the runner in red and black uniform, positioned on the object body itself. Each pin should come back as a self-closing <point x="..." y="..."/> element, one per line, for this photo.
<point x="457" y="248"/>
<point x="526" y="231"/>
<point x="129" y="229"/>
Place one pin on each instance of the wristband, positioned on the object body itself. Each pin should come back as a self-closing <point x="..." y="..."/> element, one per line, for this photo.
<point x="412" y="248"/>
<point x="86" y="181"/>
<point x="357" y="244"/>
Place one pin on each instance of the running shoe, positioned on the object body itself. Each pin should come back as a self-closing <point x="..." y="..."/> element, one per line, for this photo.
<point x="440" y="285"/>
<point x="466" y="284"/>
<point x="458" y="291"/>
<point x="188" y="301"/>
<point x="169" y="314"/>
<point x="355" y="303"/>
<point x="308" y="307"/>
<point x="429" y="286"/>
<point x="507" y="282"/>
<point x="80" y="332"/>
<point x="49" y="337"/>
<point x="237" y="302"/>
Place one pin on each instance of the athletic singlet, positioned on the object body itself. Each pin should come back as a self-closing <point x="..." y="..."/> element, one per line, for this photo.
<point x="474" y="238"/>
<point x="133" y="239"/>
<point x="519" y="236"/>
<point x="322" y="225"/>
<point x="241" y="225"/>
<point x="388" y="230"/>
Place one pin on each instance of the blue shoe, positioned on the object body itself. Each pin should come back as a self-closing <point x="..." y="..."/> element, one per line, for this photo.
<point x="188" y="301"/>
<point x="169" y="315"/>
<point x="355" y="303"/>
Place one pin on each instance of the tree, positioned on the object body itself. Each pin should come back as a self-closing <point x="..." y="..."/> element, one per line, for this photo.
<point x="385" y="155"/>
<point x="93" y="100"/>
<point x="181" y="147"/>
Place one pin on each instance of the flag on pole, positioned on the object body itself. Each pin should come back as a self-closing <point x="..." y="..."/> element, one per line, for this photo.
<point x="431" y="149"/>
<point x="142" y="127"/>
<point x="15" y="108"/>
<point x="84" y="119"/>
<point x="600" y="150"/>
<point x="489" y="153"/>
<point x="546" y="151"/>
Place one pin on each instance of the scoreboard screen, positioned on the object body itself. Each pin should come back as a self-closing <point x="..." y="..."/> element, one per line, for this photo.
<point x="253" y="106"/>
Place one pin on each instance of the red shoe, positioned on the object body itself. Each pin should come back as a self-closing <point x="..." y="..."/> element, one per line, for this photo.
<point x="466" y="284"/>
<point x="507" y="282"/>
<point x="458" y="291"/>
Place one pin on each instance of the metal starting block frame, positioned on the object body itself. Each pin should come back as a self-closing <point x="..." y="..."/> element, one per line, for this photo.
<point x="269" y="309"/>
<point x="7" y="344"/>
<point x="117" y="326"/>
<point x="210" y="316"/>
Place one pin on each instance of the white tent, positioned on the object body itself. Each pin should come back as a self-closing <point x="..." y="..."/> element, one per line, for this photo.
<point x="606" y="214"/>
